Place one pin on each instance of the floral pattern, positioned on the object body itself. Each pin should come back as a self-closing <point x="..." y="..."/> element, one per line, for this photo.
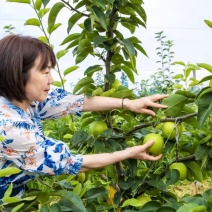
<point x="24" y="144"/>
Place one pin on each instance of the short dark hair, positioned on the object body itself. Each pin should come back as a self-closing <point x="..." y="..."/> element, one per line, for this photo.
<point x="17" y="56"/>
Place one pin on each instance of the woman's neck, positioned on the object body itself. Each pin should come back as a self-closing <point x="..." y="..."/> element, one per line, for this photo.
<point x="23" y="105"/>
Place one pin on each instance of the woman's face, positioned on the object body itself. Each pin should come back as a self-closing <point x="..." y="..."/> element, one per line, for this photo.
<point x="38" y="85"/>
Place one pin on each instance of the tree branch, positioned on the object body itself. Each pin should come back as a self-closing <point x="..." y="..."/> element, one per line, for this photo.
<point x="181" y="118"/>
<point x="73" y="9"/>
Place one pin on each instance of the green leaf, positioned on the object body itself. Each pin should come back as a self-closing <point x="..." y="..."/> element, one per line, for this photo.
<point x="61" y="53"/>
<point x="191" y="121"/>
<point x="73" y="20"/>
<point x="178" y="76"/>
<point x="136" y="20"/>
<point x="16" y="208"/>
<point x="57" y="84"/>
<point x="195" y="170"/>
<point x="82" y="55"/>
<point x="7" y="199"/>
<point x="209" y="23"/>
<point x="29" y="198"/>
<point x="205" y="79"/>
<point x="9" y="171"/>
<point x="43" y="39"/>
<point x="9" y="190"/>
<point x="126" y="10"/>
<point x="71" y="202"/>
<point x="188" y="70"/>
<point x="67" y="136"/>
<point x="179" y="63"/>
<point x="186" y="93"/>
<point x="99" y="40"/>
<point x="129" y="46"/>
<point x="129" y="73"/>
<point x="53" y="14"/>
<point x="172" y="176"/>
<point x="80" y="4"/>
<point x="50" y="30"/>
<point x="43" y="12"/>
<point x="20" y="1"/>
<point x="201" y="152"/>
<point x="117" y="59"/>
<point x="45" y="208"/>
<point x="85" y="122"/>
<point x="205" y="66"/>
<point x="70" y="69"/>
<point x="38" y="4"/>
<point x="204" y="106"/>
<point x="88" y="25"/>
<point x="78" y="188"/>
<point x="55" y="207"/>
<point x="100" y="16"/>
<point x="133" y="202"/>
<point x="166" y="208"/>
<point x="133" y="63"/>
<point x="140" y="48"/>
<point x="43" y="197"/>
<point x="83" y="49"/>
<point x="45" y="2"/>
<point x="95" y="193"/>
<point x="92" y="69"/>
<point x="140" y="10"/>
<point x="32" y="21"/>
<point x="84" y="81"/>
<point x="175" y="103"/>
<point x="207" y="194"/>
<point x="177" y="86"/>
<point x="122" y="93"/>
<point x="187" y="207"/>
<point x="118" y="34"/>
<point x="79" y="137"/>
<point x="70" y="38"/>
<point x="157" y="184"/>
<point x="151" y="206"/>
<point x="129" y="26"/>
<point x="83" y="44"/>
<point x="110" y="77"/>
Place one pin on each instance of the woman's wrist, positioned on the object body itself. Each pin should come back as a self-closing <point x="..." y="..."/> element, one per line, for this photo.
<point x="125" y="103"/>
<point x="127" y="153"/>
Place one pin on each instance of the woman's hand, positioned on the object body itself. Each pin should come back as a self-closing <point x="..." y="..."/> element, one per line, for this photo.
<point x="104" y="159"/>
<point x="144" y="104"/>
<point x="140" y="152"/>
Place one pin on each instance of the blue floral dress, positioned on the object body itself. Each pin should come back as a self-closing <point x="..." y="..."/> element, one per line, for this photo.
<point x="24" y="145"/>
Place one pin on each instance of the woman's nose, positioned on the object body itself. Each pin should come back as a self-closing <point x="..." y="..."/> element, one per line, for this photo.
<point x="51" y="80"/>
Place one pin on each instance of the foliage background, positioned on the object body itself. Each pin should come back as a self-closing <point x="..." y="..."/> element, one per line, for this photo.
<point x="117" y="187"/>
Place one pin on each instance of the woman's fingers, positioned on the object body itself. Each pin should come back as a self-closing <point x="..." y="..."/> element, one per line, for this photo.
<point x="153" y="158"/>
<point x="147" y="156"/>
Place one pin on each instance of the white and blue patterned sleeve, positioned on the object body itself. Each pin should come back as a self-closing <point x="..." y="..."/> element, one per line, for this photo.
<point x="25" y="146"/>
<point x="60" y="103"/>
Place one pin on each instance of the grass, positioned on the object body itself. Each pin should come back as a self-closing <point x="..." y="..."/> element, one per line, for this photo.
<point x="191" y="188"/>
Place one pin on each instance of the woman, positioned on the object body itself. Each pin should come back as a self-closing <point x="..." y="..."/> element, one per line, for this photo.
<point x="26" y="99"/>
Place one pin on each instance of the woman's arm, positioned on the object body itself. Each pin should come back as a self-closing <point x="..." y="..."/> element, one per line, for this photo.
<point x="60" y="103"/>
<point x="103" y="159"/>
<point x="100" y="103"/>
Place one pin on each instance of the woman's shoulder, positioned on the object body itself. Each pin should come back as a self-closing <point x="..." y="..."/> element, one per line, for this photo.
<point x="8" y="109"/>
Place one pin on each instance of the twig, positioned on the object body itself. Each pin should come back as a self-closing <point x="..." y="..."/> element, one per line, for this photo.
<point x="162" y="120"/>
